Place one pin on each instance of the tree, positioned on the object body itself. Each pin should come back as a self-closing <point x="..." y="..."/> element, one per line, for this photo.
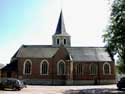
<point x="120" y="67"/>
<point x="115" y="34"/>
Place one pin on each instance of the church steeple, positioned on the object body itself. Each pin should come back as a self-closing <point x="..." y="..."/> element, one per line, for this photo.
<point x="61" y="26"/>
<point x="61" y="37"/>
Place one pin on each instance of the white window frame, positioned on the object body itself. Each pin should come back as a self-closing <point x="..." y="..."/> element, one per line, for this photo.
<point x="41" y="67"/>
<point x="58" y="67"/>
<point x="58" y="40"/>
<point x="106" y="63"/>
<point x="64" y="41"/>
<point x="27" y="60"/>
<point x="91" y="70"/>
<point x="81" y="71"/>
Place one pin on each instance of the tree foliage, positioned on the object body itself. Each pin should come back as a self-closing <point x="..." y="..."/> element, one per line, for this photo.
<point x="115" y="34"/>
<point x="120" y="67"/>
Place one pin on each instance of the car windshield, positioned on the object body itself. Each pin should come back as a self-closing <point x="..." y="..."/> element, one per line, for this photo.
<point x="123" y="79"/>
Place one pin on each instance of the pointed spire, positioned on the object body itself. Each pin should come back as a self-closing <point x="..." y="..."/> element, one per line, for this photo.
<point x="60" y="30"/>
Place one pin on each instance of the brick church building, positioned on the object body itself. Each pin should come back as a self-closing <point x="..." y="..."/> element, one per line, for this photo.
<point x="60" y="63"/>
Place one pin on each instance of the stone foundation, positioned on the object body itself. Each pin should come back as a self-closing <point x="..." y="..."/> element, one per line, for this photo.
<point x="66" y="82"/>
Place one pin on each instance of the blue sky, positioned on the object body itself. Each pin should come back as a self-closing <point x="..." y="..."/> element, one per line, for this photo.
<point x="34" y="22"/>
<point x="14" y="15"/>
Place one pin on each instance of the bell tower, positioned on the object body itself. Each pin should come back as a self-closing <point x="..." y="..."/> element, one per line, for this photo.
<point x="61" y="37"/>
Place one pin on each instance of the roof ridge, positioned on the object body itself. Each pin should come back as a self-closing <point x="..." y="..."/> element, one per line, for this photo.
<point x="66" y="47"/>
<point x="36" y="45"/>
<point x="85" y="47"/>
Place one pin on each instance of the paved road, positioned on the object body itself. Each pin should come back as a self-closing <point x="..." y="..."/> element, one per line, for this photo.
<point x="100" y="89"/>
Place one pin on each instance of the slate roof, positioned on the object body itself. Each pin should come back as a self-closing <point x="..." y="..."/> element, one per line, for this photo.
<point x="89" y="54"/>
<point x="39" y="51"/>
<point x="60" y="30"/>
<point x="10" y="67"/>
<point x="1" y="66"/>
<point x="77" y="53"/>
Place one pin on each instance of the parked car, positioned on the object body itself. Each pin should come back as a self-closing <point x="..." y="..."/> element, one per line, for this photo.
<point x="24" y="84"/>
<point x="121" y="83"/>
<point x="11" y="83"/>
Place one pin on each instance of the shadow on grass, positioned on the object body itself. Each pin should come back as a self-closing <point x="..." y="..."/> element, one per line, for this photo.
<point x="96" y="91"/>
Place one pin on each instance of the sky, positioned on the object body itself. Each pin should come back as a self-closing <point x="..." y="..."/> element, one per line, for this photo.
<point x="33" y="22"/>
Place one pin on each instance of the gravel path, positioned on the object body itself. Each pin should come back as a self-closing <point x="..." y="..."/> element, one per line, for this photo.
<point x="99" y="89"/>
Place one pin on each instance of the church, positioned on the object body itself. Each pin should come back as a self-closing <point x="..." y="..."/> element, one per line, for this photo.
<point x="60" y="63"/>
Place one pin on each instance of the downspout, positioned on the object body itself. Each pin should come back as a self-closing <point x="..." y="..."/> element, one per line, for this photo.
<point x="71" y="69"/>
<point x="52" y="71"/>
<point x="98" y="82"/>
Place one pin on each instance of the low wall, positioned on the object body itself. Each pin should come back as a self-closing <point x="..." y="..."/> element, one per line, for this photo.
<point x="66" y="82"/>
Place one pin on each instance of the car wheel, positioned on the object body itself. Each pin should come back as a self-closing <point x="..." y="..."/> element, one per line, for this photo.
<point x="14" y="88"/>
<point x="2" y="88"/>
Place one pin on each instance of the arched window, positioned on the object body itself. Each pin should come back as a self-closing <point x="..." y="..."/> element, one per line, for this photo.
<point x="58" y="41"/>
<point x="93" y="69"/>
<point x="106" y="69"/>
<point x="64" y="41"/>
<point x="27" y="67"/>
<point x="44" y="67"/>
<point x="61" y="67"/>
<point x="79" y="69"/>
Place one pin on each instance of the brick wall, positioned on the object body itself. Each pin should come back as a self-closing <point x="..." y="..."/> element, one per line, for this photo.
<point x="62" y="54"/>
<point x="53" y="70"/>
